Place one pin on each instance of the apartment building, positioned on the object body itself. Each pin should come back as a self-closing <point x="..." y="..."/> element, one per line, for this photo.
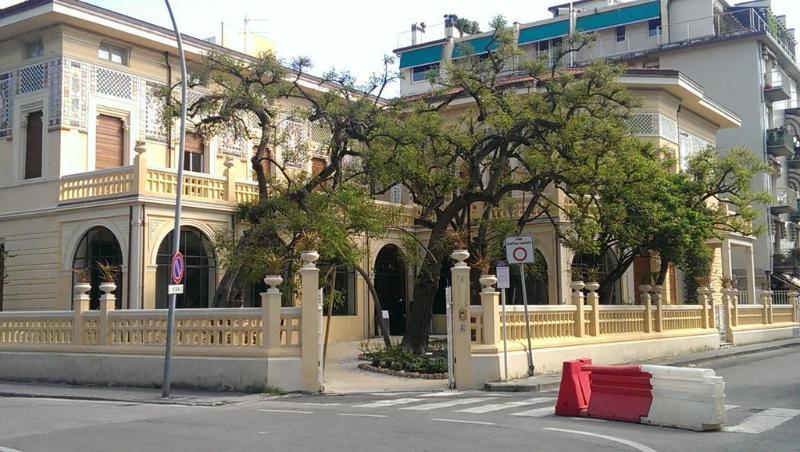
<point x="741" y="56"/>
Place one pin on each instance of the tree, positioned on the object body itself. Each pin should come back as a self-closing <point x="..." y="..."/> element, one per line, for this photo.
<point x="332" y="207"/>
<point x="480" y="137"/>
<point x="466" y="26"/>
<point x="637" y="203"/>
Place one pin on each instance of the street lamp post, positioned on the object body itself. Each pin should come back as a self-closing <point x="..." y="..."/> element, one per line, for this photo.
<point x="176" y="233"/>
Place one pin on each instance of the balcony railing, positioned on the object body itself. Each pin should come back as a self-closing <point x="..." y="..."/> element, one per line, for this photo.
<point x="139" y="179"/>
<point x="780" y="142"/>
<point x="776" y="86"/>
<point x="785" y="201"/>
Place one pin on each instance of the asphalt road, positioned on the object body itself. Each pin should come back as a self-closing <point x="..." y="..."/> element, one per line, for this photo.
<point x="763" y="397"/>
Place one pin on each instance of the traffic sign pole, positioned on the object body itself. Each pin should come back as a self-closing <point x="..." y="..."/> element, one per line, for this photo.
<point x="176" y="233"/>
<point x="527" y="318"/>
<point x="503" y="282"/>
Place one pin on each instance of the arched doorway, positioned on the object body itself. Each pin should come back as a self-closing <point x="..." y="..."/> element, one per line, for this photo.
<point x="535" y="282"/>
<point x="98" y="245"/>
<point x="200" y="277"/>
<point x="583" y="264"/>
<point x="390" y="284"/>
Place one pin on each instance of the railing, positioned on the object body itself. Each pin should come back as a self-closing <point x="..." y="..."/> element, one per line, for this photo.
<point x="786" y="197"/>
<point x="103" y="183"/>
<point x="779" y="136"/>
<point x="682" y="317"/>
<point x="36" y="327"/>
<point x="622" y="319"/>
<point x="749" y="314"/>
<point x="199" y="186"/>
<point x="246" y="192"/>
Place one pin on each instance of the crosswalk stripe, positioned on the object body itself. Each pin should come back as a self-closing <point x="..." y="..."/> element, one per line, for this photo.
<point x="387" y="403"/>
<point x="441" y="394"/>
<point x="763" y="421"/>
<point x="537" y="412"/>
<point x="502" y="406"/>
<point x="730" y="407"/>
<point x="449" y="403"/>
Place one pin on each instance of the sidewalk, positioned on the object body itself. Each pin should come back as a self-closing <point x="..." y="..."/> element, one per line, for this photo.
<point x="552" y="381"/>
<point x="124" y="394"/>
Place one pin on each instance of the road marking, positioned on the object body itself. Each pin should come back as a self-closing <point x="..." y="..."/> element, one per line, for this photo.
<point x="502" y="406"/>
<point x="629" y="443"/>
<point x="286" y="411"/>
<point x="387" y="402"/>
<point x="763" y="421"/>
<point x="449" y="403"/>
<point x="730" y="407"/>
<point x="260" y="433"/>
<point x="441" y="394"/>
<point x="313" y="403"/>
<point x="6" y="449"/>
<point x="537" y="412"/>
<point x="461" y="421"/>
<point x="360" y="415"/>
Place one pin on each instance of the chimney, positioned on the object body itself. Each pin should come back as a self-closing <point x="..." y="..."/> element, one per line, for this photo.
<point x="449" y="25"/>
<point x="417" y="30"/>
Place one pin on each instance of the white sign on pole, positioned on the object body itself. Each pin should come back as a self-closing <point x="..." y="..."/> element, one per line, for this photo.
<point x="519" y="250"/>
<point x="503" y="278"/>
<point x="175" y="289"/>
<point x="385" y="314"/>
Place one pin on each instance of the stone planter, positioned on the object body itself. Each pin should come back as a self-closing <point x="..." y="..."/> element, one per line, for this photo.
<point x="108" y="287"/>
<point x="81" y="289"/>
<point x="308" y="258"/>
<point x="487" y="281"/>
<point x="272" y="282"/>
<point x="592" y="286"/>
<point x="460" y="256"/>
<point x="576" y="285"/>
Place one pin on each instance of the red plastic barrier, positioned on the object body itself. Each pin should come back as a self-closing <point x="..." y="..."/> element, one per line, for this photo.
<point x="574" y="392"/>
<point x="621" y="393"/>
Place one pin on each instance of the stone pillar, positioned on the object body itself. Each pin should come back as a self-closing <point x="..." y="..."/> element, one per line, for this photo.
<point x="462" y="340"/>
<point x="644" y="290"/>
<point x="730" y="314"/>
<point x="702" y="299"/>
<point x="658" y="321"/>
<point x="271" y="313"/>
<point x="766" y="304"/>
<point x="139" y="169"/>
<point x="594" y="301"/>
<point x="230" y="182"/>
<point x="108" y="302"/>
<point x="81" y="305"/>
<point x="712" y="310"/>
<point x="793" y="300"/>
<point x="311" y="312"/>
<point x="490" y="305"/>
<point x="727" y="266"/>
<point x="580" y="308"/>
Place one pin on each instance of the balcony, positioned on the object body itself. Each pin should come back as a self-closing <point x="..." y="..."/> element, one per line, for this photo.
<point x="780" y="143"/>
<point x="776" y="87"/>
<point x="785" y="201"/>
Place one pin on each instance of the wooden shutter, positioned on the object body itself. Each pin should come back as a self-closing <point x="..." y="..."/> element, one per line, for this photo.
<point x="194" y="149"/>
<point x="33" y="145"/>
<point x="110" y="142"/>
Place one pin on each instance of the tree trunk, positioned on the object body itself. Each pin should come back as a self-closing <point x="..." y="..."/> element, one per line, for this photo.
<point x="418" y="327"/>
<point x="387" y="341"/>
<point x="662" y="272"/>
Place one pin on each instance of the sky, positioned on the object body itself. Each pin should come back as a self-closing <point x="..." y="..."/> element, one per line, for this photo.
<point x="351" y="35"/>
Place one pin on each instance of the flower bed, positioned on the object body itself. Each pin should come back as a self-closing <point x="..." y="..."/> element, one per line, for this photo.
<point x="396" y="360"/>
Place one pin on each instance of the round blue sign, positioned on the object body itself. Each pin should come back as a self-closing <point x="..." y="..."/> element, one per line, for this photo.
<point x="178" y="267"/>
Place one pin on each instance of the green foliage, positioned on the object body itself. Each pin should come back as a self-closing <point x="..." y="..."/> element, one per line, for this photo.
<point x="466" y="26"/>
<point x="397" y="357"/>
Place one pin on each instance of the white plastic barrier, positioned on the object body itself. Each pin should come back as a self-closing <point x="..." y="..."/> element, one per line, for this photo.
<point x="692" y="399"/>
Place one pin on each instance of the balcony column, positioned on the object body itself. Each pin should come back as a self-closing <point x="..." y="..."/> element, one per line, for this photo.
<point x="727" y="266"/>
<point x="230" y="183"/>
<point x="139" y="169"/>
<point x="751" y="274"/>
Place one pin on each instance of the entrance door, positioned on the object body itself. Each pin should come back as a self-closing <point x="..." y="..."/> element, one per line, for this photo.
<point x="390" y="282"/>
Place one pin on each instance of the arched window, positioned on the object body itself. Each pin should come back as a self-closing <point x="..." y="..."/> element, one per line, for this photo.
<point x="583" y="264"/>
<point x="98" y="245"/>
<point x="200" y="277"/>
<point x="390" y="284"/>
<point x="535" y="282"/>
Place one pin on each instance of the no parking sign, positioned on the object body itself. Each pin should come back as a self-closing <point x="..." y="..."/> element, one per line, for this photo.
<point x="178" y="268"/>
<point x="519" y="250"/>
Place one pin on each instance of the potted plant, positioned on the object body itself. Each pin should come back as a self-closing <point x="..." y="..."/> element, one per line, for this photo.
<point x="275" y="264"/>
<point x="576" y="277"/>
<point x="108" y="276"/>
<point x="727" y="282"/>
<point x="83" y="276"/>
<point x="309" y="245"/>
<point x="458" y="240"/>
<point x="483" y="262"/>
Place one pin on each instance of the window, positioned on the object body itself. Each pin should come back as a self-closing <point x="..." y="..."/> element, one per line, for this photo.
<point x="98" y="245"/>
<point x="200" y="275"/>
<point x="193" y="153"/>
<point x="653" y="27"/>
<point x="620" y="33"/>
<point x="344" y="289"/>
<point x="33" y="145"/>
<point x="109" y="142"/>
<point x="396" y="194"/>
<point x="112" y="53"/>
<point x="420" y="73"/>
<point x="34" y="49"/>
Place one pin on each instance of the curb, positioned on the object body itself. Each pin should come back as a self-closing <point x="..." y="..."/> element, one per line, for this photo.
<point x="113" y="399"/>
<point x="725" y="354"/>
